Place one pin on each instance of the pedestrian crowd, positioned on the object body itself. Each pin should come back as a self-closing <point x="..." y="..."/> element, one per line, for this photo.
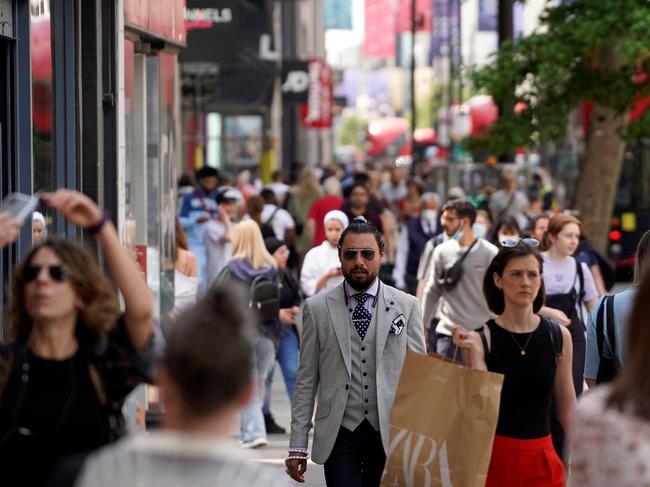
<point x="332" y="275"/>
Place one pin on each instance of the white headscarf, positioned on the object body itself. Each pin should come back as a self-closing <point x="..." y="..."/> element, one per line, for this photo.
<point x="37" y="216"/>
<point x="337" y="215"/>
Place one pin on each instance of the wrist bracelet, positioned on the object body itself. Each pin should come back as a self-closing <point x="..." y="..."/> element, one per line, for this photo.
<point x="296" y="457"/>
<point x="94" y="229"/>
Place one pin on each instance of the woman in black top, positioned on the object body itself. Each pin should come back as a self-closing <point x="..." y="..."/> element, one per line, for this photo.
<point x="73" y="357"/>
<point x="534" y="354"/>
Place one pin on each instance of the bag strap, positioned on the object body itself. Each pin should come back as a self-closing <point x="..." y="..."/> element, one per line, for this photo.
<point x="610" y="325"/>
<point x="270" y="219"/>
<point x="581" y="277"/>
<point x="556" y="338"/>
<point x="462" y="257"/>
<point x="481" y="333"/>
<point x="600" y="318"/>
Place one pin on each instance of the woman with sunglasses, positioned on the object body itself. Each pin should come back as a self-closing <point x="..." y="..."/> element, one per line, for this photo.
<point x="73" y="357"/>
<point x="534" y="355"/>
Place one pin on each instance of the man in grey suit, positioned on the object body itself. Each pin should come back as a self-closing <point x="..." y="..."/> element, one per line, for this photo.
<point x="353" y="345"/>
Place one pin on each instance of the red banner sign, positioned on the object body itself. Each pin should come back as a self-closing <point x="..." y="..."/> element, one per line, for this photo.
<point x="317" y="112"/>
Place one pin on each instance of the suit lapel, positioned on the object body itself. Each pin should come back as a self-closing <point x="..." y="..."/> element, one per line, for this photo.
<point x="340" y="317"/>
<point x="383" y="318"/>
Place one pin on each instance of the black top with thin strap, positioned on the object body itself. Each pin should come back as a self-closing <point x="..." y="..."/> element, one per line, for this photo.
<point x="529" y="377"/>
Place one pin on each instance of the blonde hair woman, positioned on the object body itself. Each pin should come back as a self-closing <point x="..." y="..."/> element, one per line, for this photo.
<point x="248" y="244"/>
<point x="250" y="262"/>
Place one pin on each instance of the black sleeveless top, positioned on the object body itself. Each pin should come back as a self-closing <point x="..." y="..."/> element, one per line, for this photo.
<point x="528" y="382"/>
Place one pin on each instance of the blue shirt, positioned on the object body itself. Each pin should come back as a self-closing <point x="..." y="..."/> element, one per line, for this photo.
<point x="623" y="304"/>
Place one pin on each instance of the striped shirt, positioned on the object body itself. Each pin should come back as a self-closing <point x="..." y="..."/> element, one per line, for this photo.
<point x="170" y="459"/>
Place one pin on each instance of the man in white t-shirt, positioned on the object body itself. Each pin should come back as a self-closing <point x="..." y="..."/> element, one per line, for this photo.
<point x="280" y="220"/>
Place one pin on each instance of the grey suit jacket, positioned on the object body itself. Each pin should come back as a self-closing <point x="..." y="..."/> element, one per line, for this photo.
<point x="325" y="363"/>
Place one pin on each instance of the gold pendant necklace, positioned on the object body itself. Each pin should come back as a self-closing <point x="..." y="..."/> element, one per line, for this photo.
<point x="522" y="350"/>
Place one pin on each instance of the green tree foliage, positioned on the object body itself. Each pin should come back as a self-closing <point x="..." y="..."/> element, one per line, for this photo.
<point x="352" y="131"/>
<point x="594" y="50"/>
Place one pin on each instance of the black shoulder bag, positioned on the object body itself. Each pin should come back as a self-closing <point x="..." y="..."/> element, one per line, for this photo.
<point x="449" y="278"/>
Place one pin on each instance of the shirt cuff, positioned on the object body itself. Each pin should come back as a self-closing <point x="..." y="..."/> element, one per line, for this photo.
<point x="299" y="450"/>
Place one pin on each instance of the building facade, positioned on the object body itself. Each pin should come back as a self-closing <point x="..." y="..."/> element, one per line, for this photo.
<point x="89" y="101"/>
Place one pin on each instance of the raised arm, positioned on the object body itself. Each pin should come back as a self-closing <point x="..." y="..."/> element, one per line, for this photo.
<point x="80" y="210"/>
<point x="9" y="229"/>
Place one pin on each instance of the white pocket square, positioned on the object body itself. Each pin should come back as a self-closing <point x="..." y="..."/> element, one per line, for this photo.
<point x="397" y="325"/>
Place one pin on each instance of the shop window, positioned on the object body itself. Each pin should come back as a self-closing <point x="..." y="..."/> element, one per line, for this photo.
<point x="42" y="94"/>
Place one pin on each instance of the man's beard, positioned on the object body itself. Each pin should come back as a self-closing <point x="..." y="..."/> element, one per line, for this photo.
<point x="360" y="284"/>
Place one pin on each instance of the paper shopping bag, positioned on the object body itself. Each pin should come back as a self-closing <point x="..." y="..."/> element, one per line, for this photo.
<point x="443" y="424"/>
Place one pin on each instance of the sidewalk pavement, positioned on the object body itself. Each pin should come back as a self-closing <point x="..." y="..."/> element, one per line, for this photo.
<point x="276" y="451"/>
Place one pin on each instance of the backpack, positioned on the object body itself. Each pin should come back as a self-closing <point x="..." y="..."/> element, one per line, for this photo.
<point x="609" y="364"/>
<point x="265" y="298"/>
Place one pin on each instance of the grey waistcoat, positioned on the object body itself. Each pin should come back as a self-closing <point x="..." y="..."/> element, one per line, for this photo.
<point x="362" y="399"/>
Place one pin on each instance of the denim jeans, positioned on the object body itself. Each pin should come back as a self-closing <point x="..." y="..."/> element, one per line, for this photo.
<point x="252" y="420"/>
<point x="288" y="357"/>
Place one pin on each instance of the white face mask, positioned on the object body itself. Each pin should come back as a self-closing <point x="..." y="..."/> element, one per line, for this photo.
<point x="429" y="216"/>
<point x="479" y="229"/>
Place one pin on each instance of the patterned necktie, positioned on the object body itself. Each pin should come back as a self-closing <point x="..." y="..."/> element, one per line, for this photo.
<point x="361" y="316"/>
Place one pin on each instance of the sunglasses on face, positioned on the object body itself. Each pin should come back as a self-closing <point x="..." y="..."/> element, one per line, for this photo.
<point x="58" y="273"/>
<point x="351" y="254"/>
<point x="514" y="241"/>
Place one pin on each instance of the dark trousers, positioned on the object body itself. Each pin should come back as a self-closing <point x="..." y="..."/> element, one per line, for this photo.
<point x="357" y="459"/>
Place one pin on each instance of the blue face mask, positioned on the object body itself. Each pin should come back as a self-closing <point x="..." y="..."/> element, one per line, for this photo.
<point x="479" y="229"/>
<point x="458" y="235"/>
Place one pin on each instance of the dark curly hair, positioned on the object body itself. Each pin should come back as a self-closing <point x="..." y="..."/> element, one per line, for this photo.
<point x="494" y="295"/>
<point x="99" y="310"/>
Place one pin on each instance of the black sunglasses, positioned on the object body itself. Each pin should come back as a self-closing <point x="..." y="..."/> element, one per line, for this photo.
<point x="58" y="273"/>
<point x="351" y="254"/>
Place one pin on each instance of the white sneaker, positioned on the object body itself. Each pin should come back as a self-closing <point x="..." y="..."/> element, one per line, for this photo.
<point x="256" y="443"/>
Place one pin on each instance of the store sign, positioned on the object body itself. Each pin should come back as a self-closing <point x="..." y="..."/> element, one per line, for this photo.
<point x="317" y="112"/>
<point x="164" y="18"/>
<point x="295" y="81"/>
<point x="212" y="31"/>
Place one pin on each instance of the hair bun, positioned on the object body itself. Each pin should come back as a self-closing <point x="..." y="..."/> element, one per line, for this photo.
<point x="359" y="219"/>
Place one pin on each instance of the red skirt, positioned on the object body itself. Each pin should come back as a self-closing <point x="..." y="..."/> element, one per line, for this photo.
<point x="525" y="463"/>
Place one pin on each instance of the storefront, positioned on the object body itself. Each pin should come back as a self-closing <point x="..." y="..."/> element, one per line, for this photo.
<point x="149" y="155"/>
<point x="89" y="100"/>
